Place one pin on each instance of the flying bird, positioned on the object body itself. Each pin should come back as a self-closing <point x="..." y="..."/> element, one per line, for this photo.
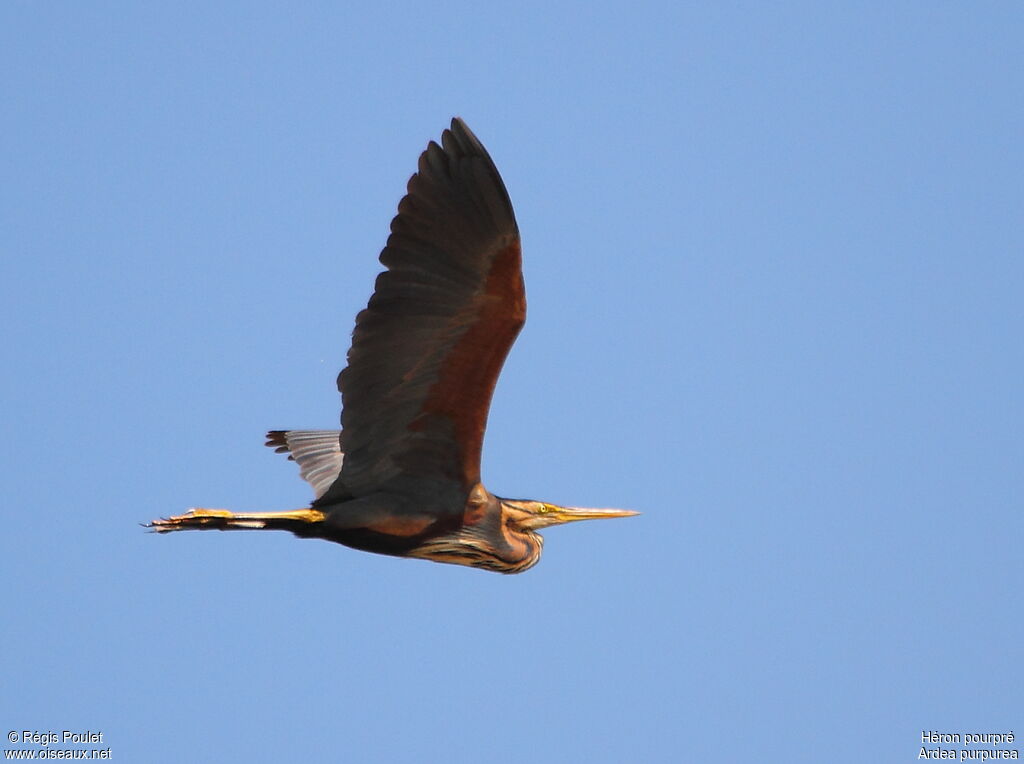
<point x="402" y="476"/>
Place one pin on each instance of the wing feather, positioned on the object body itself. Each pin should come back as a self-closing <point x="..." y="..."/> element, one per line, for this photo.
<point x="427" y="350"/>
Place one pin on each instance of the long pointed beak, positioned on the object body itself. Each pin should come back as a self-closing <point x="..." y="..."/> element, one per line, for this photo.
<point x="552" y="514"/>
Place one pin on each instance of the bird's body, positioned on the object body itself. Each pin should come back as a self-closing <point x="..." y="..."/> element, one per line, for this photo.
<point x="402" y="476"/>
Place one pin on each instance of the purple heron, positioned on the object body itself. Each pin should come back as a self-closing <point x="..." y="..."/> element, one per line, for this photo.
<point x="402" y="476"/>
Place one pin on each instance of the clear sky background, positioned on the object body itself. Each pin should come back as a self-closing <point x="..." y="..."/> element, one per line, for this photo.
<point x="773" y="254"/>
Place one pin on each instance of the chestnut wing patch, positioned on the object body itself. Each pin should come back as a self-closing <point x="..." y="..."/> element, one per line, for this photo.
<point x="427" y="350"/>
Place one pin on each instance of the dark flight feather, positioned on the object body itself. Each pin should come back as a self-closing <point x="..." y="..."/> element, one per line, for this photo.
<point x="427" y="351"/>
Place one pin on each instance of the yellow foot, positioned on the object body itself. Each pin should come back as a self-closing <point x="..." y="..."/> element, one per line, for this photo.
<point x="200" y="518"/>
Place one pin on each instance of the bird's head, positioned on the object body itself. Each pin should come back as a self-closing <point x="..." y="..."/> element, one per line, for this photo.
<point x="502" y="534"/>
<point x="533" y="515"/>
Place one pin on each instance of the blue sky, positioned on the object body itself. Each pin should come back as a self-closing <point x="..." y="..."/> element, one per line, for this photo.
<point x="773" y="255"/>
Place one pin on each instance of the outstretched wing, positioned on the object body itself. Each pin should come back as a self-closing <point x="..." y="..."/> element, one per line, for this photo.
<point x="427" y="351"/>
<point x="317" y="452"/>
